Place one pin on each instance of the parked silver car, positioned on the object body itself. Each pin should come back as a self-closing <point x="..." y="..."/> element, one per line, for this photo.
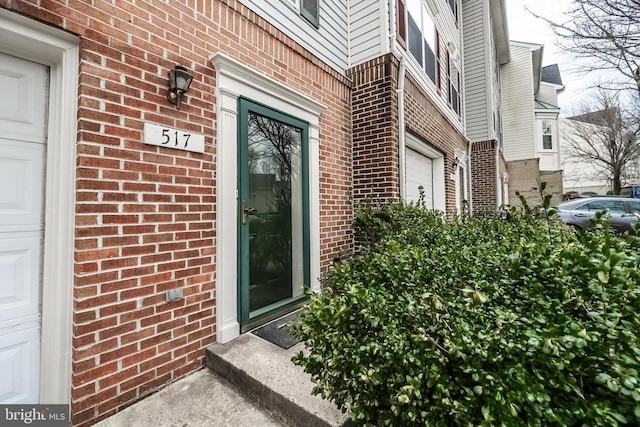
<point x="622" y="212"/>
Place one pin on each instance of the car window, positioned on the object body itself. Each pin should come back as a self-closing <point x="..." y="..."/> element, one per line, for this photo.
<point x="634" y="206"/>
<point x="613" y="206"/>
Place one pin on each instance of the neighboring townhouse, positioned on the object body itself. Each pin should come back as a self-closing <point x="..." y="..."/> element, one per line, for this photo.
<point x="588" y="136"/>
<point x="580" y="175"/>
<point x="408" y="102"/>
<point x="530" y="123"/>
<point x="486" y="50"/>
<point x="137" y="224"/>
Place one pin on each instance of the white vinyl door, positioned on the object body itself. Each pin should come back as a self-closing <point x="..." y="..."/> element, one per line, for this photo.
<point x="419" y="172"/>
<point x="23" y="85"/>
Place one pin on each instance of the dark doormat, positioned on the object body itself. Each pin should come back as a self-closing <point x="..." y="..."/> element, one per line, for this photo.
<point x="277" y="332"/>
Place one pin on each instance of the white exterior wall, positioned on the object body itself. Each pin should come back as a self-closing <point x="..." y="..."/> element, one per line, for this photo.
<point x="547" y="93"/>
<point x="328" y="42"/>
<point x="578" y="174"/>
<point x="549" y="159"/>
<point x="368" y="30"/>
<point x="518" y="105"/>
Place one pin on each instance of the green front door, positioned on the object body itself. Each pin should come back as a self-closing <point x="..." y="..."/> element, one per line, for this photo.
<point x="273" y="208"/>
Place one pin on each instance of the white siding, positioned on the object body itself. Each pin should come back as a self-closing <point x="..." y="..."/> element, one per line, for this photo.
<point x="578" y="174"/>
<point x="329" y="42"/>
<point x="547" y="93"/>
<point x="518" y="105"/>
<point x="450" y="34"/>
<point x="476" y="69"/>
<point x="368" y="30"/>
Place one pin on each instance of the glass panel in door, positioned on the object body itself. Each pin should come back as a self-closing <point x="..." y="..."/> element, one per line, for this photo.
<point x="273" y="226"/>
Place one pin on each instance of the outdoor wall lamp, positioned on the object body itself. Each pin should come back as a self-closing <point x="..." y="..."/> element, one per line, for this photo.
<point x="456" y="162"/>
<point x="179" y="82"/>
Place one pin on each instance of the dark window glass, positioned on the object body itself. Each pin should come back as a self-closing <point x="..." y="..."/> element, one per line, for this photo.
<point x="547" y="142"/>
<point x="609" y="205"/>
<point x="429" y="62"/>
<point x="454" y="99"/>
<point x="415" y="40"/>
<point x="310" y="10"/>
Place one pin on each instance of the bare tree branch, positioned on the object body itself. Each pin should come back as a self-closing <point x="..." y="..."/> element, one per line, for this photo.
<point x="607" y="34"/>
<point x="605" y="136"/>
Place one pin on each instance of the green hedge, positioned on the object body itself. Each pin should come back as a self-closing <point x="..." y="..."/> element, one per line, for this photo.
<point x="478" y="322"/>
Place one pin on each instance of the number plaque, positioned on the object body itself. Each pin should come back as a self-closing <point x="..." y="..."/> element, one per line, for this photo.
<point x="163" y="136"/>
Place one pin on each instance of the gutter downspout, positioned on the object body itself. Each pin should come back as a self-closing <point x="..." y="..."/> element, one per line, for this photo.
<point x="402" y="67"/>
<point x="469" y="177"/>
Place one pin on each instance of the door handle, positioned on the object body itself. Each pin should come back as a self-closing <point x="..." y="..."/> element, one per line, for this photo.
<point x="246" y="212"/>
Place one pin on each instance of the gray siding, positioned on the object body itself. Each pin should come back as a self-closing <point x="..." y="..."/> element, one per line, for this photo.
<point x="518" y="105"/>
<point x="476" y="68"/>
<point x="329" y="42"/>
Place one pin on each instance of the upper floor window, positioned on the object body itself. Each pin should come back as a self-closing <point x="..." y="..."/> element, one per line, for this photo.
<point x="547" y="135"/>
<point x="419" y="35"/>
<point x="453" y="75"/>
<point x="453" y="4"/>
<point x="309" y="10"/>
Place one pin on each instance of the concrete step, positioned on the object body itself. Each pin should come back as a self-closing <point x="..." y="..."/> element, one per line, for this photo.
<point x="265" y="374"/>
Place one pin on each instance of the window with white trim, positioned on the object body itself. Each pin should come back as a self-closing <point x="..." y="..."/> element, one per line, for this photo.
<point x="453" y="76"/>
<point x="308" y="9"/>
<point x="453" y="4"/>
<point x="547" y="135"/>
<point x="421" y="37"/>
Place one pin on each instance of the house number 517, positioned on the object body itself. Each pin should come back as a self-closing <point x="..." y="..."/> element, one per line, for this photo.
<point x="178" y="138"/>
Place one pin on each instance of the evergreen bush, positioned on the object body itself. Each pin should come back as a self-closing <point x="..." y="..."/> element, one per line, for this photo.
<point x="478" y="322"/>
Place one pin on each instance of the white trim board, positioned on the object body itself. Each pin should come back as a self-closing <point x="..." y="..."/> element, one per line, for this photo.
<point x="28" y="39"/>
<point x="234" y="79"/>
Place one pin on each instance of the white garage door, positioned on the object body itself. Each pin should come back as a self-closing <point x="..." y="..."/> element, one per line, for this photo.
<point x="23" y="86"/>
<point x="419" y="172"/>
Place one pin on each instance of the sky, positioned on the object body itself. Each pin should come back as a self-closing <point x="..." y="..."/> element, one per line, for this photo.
<point x="525" y="27"/>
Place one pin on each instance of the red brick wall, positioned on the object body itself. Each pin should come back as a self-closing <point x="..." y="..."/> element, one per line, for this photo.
<point x="484" y="177"/>
<point x="375" y="130"/>
<point x="145" y="216"/>
<point x="424" y="119"/>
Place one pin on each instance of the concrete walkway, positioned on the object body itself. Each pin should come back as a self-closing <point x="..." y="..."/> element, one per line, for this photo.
<point x="199" y="399"/>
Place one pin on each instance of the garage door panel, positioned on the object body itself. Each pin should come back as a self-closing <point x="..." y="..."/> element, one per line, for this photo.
<point x="22" y="175"/>
<point x="419" y="172"/>
<point x="21" y="185"/>
<point x="19" y="277"/>
<point x="19" y="366"/>
<point x="24" y="83"/>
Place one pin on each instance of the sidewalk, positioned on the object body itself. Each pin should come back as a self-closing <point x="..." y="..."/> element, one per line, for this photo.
<point x="199" y="399"/>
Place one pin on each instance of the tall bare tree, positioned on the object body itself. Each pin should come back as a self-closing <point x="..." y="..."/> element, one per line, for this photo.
<point x="604" y="139"/>
<point x="603" y="35"/>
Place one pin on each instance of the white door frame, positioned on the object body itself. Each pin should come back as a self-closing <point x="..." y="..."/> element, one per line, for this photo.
<point x="234" y="79"/>
<point x="33" y="41"/>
